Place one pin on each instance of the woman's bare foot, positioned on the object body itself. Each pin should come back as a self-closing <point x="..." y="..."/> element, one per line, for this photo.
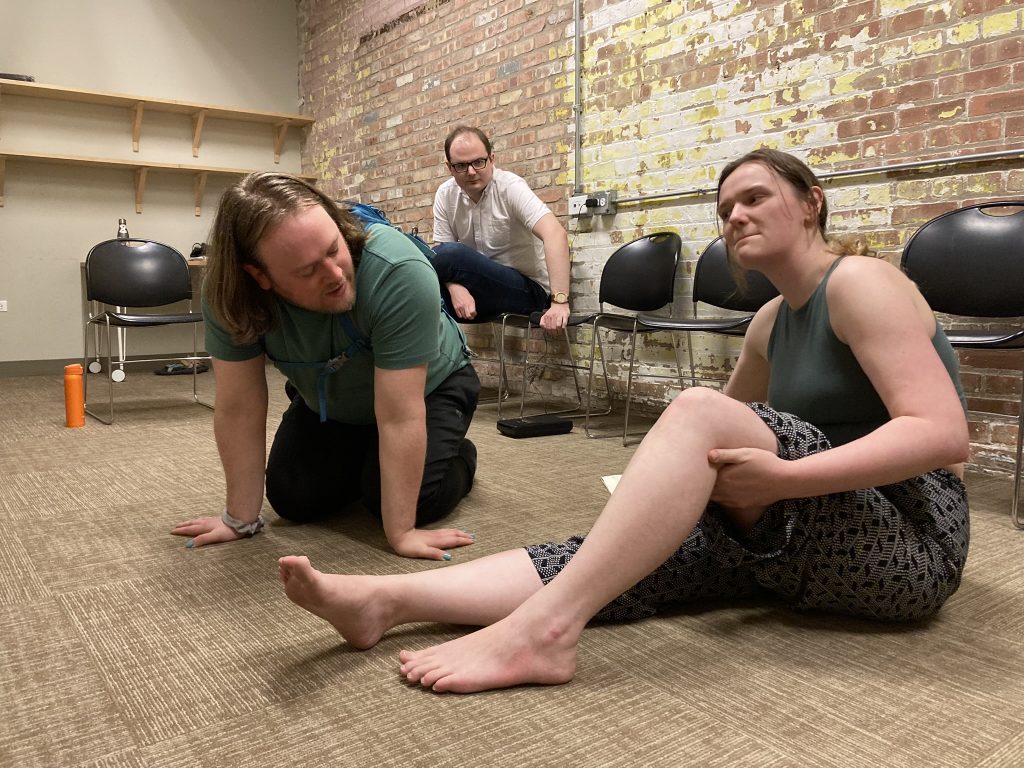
<point x="351" y="604"/>
<point x="504" y="654"/>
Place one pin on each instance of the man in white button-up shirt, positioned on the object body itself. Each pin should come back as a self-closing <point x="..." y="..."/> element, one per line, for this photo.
<point x="499" y="247"/>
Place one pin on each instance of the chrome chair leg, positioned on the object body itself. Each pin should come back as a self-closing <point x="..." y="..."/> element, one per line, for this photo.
<point x="629" y="385"/>
<point x="110" y="381"/>
<point x="596" y="345"/>
<point x="1015" y="514"/>
<point x="689" y="350"/>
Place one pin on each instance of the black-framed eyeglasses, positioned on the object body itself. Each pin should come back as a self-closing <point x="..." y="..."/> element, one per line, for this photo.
<point x="478" y="165"/>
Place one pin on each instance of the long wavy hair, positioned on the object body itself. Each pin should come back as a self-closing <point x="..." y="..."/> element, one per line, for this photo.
<point x="247" y="211"/>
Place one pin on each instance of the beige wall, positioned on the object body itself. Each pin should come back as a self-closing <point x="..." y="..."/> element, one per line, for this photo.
<point x="232" y="53"/>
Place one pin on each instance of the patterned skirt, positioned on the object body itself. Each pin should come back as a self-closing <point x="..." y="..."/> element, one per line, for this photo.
<point x="892" y="553"/>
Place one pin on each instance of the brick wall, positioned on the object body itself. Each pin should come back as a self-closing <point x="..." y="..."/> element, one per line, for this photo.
<point x="672" y="91"/>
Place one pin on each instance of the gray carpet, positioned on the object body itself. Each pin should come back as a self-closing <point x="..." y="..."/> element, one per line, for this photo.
<point x="119" y="647"/>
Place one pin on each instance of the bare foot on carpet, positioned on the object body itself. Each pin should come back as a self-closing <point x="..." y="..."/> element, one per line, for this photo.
<point x="350" y="603"/>
<point x="499" y="656"/>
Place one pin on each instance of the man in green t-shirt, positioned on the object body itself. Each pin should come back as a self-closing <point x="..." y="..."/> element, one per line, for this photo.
<point x="379" y="376"/>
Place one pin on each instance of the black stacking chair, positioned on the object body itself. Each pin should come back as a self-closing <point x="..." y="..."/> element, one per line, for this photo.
<point x="638" y="277"/>
<point x="131" y="274"/>
<point x="970" y="263"/>
<point x="715" y="284"/>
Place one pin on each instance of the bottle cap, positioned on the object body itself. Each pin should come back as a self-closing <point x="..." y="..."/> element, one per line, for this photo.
<point x="73" y="368"/>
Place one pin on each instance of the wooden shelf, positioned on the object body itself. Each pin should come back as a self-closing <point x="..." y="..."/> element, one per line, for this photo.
<point x="140" y="169"/>
<point x="279" y="122"/>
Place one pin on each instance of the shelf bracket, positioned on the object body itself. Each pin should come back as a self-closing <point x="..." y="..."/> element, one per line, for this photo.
<point x="280" y="132"/>
<point x="140" y="187"/>
<point x="197" y="131"/>
<point x="137" y="125"/>
<point x="200" y="187"/>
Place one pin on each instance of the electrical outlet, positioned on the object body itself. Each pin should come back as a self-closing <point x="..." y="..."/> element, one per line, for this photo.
<point x="3" y="305"/>
<point x="593" y="204"/>
<point x="578" y="206"/>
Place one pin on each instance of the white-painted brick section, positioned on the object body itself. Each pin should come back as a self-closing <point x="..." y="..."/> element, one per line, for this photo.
<point x="613" y="14"/>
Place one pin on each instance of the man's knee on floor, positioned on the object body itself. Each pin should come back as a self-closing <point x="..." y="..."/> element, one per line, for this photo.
<point x="292" y="502"/>
<point x="439" y="498"/>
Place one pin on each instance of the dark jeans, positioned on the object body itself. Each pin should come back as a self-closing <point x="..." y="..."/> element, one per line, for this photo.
<point x="495" y="288"/>
<point x="317" y="469"/>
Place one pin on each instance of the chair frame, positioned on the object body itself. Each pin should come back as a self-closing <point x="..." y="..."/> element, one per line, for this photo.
<point x="529" y="323"/>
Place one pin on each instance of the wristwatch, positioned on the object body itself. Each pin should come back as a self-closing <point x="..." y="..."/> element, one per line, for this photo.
<point x="560" y="297"/>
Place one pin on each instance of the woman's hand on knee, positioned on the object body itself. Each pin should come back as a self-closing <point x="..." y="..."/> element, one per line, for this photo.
<point x="747" y="477"/>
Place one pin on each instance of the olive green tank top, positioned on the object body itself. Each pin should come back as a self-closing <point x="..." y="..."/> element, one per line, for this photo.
<point x="816" y="377"/>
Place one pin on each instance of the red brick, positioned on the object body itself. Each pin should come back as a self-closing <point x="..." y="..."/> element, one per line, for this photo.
<point x="929" y="66"/>
<point x="964" y="134"/>
<point x="1008" y="49"/>
<point x="932" y="113"/>
<point x="869" y="124"/>
<point x="996" y="103"/>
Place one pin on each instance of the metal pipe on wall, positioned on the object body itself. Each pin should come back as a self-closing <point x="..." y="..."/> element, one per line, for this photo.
<point x="852" y="173"/>
<point x="577" y="99"/>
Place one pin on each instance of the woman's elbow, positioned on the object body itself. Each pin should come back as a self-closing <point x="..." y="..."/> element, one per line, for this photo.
<point x="957" y="442"/>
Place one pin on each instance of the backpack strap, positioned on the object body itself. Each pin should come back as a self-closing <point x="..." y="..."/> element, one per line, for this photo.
<point x="327" y="367"/>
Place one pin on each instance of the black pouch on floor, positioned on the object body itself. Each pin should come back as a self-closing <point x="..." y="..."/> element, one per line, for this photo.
<point x="535" y="426"/>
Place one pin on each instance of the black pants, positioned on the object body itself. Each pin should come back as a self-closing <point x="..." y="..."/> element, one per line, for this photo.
<point x="317" y="469"/>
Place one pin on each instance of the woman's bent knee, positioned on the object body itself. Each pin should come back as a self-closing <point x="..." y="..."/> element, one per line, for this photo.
<point x="699" y="398"/>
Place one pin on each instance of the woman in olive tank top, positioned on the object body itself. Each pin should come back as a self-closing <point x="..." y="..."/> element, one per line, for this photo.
<point x="734" y="493"/>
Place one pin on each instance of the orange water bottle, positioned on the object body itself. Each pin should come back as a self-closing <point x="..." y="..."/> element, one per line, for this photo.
<point x="74" y="396"/>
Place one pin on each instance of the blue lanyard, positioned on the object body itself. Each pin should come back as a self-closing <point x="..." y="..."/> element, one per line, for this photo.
<point x="336" y="363"/>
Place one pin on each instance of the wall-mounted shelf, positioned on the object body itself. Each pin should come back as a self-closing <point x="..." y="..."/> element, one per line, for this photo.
<point x="279" y="122"/>
<point x="140" y="169"/>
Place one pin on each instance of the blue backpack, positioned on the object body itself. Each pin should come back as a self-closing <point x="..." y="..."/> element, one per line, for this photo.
<point x="368" y="214"/>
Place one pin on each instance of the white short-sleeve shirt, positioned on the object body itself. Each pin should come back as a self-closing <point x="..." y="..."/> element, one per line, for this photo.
<point x="500" y="226"/>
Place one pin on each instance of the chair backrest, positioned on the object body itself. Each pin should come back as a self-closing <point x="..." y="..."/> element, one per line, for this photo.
<point x="971" y="261"/>
<point x="715" y="284"/>
<point x="136" y="273"/>
<point x="640" y="275"/>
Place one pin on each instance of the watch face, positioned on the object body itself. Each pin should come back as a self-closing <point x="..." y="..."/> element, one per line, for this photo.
<point x="560" y="298"/>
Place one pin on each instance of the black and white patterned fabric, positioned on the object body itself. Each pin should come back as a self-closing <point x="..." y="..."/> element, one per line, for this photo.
<point x="892" y="553"/>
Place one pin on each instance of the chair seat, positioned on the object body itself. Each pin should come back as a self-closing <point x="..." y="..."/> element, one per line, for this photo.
<point x="724" y="325"/>
<point x="533" y="320"/>
<point x="992" y="339"/>
<point x="125" y="320"/>
<point x="625" y="323"/>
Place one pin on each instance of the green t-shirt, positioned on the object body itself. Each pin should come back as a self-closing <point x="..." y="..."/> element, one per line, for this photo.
<point x="398" y="309"/>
